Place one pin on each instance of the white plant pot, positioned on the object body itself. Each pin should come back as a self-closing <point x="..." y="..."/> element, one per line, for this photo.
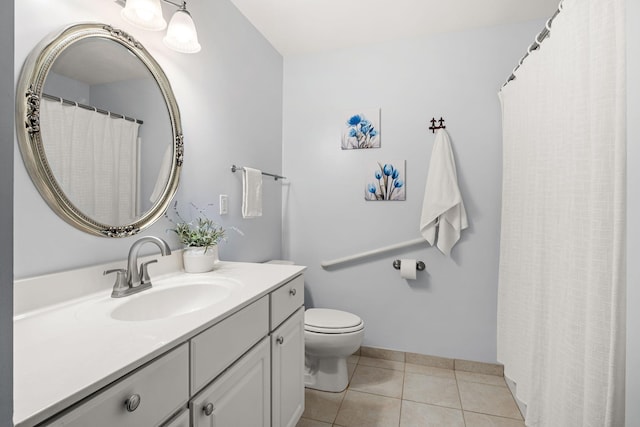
<point x="199" y="260"/>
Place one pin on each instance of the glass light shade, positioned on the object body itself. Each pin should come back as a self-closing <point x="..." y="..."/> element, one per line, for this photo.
<point x="145" y="14"/>
<point x="181" y="33"/>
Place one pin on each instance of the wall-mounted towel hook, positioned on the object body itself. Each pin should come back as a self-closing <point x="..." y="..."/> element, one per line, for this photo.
<point x="419" y="265"/>
<point x="433" y="126"/>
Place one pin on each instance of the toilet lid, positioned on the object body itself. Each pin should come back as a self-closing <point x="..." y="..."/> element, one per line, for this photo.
<point x="328" y="321"/>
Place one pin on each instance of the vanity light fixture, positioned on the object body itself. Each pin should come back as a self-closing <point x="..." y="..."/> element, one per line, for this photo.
<point x="181" y="34"/>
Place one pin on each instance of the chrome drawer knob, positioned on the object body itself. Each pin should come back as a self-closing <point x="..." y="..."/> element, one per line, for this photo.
<point x="280" y="339"/>
<point x="292" y="291"/>
<point x="208" y="409"/>
<point x="132" y="402"/>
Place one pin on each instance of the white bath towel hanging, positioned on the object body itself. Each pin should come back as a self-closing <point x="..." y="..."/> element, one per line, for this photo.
<point x="251" y="193"/>
<point x="443" y="214"/>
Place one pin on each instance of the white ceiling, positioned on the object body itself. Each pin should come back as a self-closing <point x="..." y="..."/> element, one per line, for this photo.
<point x="98" y="61"/>
<point x="303" y="26"/>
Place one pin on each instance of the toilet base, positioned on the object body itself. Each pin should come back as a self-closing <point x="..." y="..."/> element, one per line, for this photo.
<point x="326" y="373"/>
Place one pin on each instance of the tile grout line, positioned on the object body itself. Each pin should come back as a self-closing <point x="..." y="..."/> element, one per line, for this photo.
<point x="464" y="420"/>
<point x="346" y="390"/>
<point x="340" y="405"/>
<point x="404" y="375"/>
<point x="496" y="416"/>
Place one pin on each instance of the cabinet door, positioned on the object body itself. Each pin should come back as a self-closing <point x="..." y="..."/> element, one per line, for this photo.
<point x="240" y="396"/>
<point x="287" y="371"/>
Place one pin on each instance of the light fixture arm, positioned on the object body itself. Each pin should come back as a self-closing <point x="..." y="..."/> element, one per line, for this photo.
<point x="182" y="5"/>
<point x="181" y="33"/>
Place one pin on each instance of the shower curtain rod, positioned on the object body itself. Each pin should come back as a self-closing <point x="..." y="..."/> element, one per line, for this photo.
<point x="546" y="31"/>
<point x="90" y="108"/>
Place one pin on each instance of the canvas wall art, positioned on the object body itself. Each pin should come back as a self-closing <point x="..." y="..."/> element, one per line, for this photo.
<point x="385" y="181"/>
<point x="361" y="130"/>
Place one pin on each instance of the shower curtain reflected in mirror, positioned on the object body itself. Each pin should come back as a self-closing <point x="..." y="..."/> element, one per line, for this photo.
<point x="94" y="159"/>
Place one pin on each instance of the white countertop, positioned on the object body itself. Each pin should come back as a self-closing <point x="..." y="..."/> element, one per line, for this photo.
<point x="67" y="351"/>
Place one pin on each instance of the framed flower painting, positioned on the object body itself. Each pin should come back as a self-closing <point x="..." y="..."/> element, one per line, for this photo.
<point x="385" y="181"/>
<point x="361" y="130"/>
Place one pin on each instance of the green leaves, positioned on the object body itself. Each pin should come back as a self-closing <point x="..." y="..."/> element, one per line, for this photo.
<point x="203" y="233"/>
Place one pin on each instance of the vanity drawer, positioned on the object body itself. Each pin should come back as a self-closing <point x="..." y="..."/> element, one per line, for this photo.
<point x="162" y="387"/>
<point x="285" y="300"/>
<point x="215" y="349"/>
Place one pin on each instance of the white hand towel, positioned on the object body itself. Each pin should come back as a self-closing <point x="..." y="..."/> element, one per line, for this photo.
<point x="251" y="193"/>
<point x="163" y="174"/>
<point x="443" y="212"/>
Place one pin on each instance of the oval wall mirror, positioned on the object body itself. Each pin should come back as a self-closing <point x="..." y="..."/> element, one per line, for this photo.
<point x="99" y="130"/>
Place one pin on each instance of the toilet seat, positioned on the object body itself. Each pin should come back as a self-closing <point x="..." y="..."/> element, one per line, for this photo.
<point x="328" y="321"/>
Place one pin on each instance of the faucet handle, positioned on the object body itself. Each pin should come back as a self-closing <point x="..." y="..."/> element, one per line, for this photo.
<point x="144" y="272"/>
<point x="121" y="281"/>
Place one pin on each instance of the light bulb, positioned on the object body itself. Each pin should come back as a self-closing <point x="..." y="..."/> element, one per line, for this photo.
<point x="181" y="33"/>
<point x="145" y="14"/>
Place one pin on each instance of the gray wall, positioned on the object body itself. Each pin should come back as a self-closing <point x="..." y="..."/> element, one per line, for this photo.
<point x="230" y="97"/>
<point x="64" y="87"/>
<point x="633" y="214"/>
<point x="6" y="214"/>
<point x="450" y="310"/>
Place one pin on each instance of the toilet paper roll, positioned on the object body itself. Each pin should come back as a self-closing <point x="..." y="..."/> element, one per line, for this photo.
<point x="408" y="269"/>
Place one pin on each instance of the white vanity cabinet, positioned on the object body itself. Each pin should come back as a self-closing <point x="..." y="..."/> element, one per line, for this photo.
<point x="287" y="353"/>
<point x="247" y="370"/>
<point x="266" y="386"/>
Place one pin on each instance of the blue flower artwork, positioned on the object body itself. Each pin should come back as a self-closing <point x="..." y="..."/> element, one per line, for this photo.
<point x="361" y="130"/>
<point x="386" y="181"/>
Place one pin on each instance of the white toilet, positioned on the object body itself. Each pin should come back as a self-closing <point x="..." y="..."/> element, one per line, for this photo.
<point x="330" y="337"/>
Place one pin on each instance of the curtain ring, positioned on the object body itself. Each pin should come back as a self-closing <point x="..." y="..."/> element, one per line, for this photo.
<point x="561" y="5"/>
<point x="548" y="25"/>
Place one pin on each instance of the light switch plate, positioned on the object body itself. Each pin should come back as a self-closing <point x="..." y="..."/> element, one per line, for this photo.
<point x="224" y="204"/>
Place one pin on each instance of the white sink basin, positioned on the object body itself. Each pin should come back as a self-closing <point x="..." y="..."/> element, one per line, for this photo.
<point x="170" y="296"/>
<point x="170" y="302"/>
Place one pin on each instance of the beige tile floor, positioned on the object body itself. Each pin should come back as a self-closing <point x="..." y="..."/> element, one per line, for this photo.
<point x="392" y="393"/>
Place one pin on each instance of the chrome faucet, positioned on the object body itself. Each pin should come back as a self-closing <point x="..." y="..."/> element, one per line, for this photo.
<point x="131" y="280"/>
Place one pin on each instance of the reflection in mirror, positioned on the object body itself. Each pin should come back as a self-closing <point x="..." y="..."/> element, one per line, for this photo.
<point x="99" y="130"/>
<point x="107" y="165"/>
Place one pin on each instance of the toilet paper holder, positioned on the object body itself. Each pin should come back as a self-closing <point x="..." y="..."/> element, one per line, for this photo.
<point x="419" y="265"/>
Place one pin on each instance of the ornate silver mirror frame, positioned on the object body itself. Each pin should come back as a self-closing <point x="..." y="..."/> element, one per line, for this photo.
<point x="28" y="96"/>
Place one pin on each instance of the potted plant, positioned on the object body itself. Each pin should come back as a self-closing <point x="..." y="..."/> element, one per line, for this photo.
<point x="200" y="238"/>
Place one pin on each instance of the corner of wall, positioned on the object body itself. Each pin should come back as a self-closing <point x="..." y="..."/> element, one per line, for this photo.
<point x="633" y="213"/>
<point x="6" y="214"/>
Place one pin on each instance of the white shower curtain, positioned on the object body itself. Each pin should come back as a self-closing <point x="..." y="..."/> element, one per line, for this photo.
<point x="561" y="307"/>
<point x="95" y="160"/>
